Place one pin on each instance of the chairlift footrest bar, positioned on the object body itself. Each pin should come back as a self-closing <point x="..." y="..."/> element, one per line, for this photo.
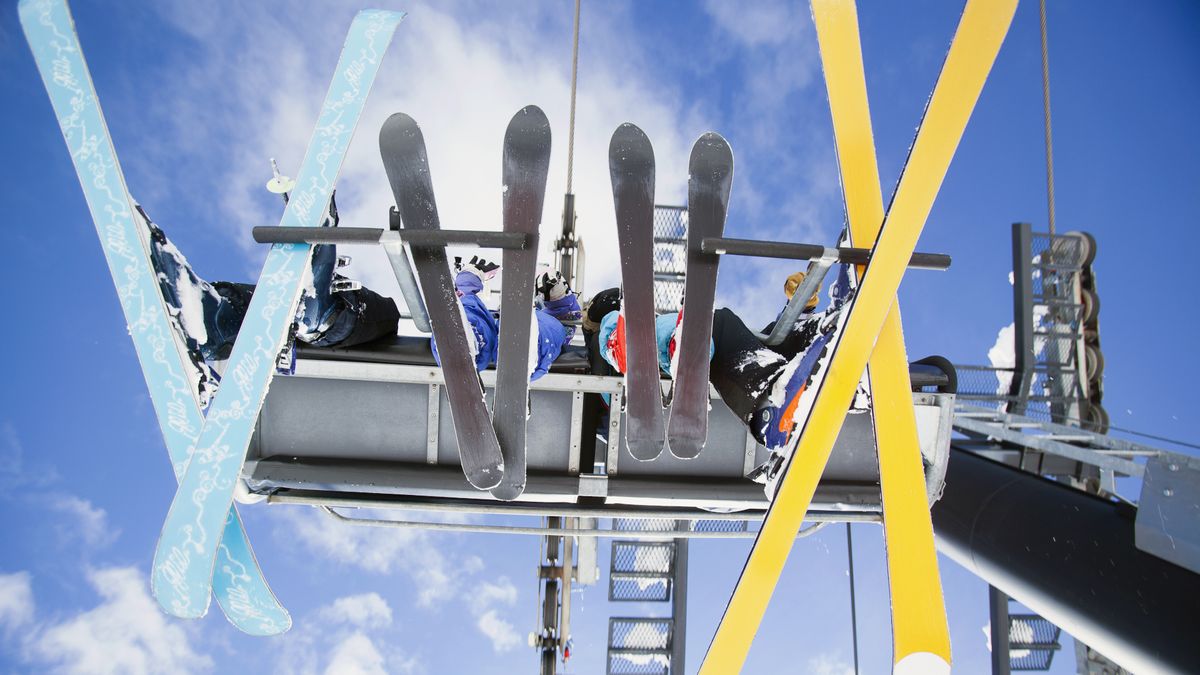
<point x="792" y="251"/>
<point x="374" y="235"/>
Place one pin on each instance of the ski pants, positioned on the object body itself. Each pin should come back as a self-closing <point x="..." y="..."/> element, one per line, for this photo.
<point x="742" y="367"/>
<point x="210" y="315"/>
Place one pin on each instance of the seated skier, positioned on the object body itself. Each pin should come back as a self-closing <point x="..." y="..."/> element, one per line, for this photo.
<point x="761" y="384"/>
<point x="556" y="303"/>
<point x="333" y="312"/>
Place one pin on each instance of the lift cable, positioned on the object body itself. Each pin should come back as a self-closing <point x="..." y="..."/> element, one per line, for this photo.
<point x="574" y="79"/>
<point x="1046" y="114"/>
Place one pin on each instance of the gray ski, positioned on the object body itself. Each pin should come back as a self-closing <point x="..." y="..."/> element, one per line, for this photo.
<point x="710" y="173"/>
<point x="404" y="159"/>
<point x="631" y="167"/>
<point x="526" y="163"/>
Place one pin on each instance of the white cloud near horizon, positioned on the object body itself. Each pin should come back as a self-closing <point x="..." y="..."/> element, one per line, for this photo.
<point x="89" y="522"/>
<point x="16" y="600"/>
<point x="353" y="635"/>
<point x="381" y="551"/>
<point x="486" y="600"/>
<point x="366" y="610"/>
<point x="125" y="633"/>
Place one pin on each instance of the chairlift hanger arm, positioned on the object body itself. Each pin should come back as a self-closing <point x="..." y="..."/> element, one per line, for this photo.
<point x="791" y="251"/>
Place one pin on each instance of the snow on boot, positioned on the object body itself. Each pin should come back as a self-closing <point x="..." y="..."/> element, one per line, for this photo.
<point x="785" y="406"/>
<point x="192" y="309"/>
<point x="318" y="304"/>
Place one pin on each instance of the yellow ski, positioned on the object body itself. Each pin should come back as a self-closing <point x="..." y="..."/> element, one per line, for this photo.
<point x="980" y="32"/>
<point x="920" y="634"/>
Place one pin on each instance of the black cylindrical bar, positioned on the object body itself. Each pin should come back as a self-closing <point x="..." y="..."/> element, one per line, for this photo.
<point x="372" y="235"/>
<point x="791" y="251"/>
<point x="480" y="238"/>
<point x="1071" y="558"/>
<point x="317" y="235"/>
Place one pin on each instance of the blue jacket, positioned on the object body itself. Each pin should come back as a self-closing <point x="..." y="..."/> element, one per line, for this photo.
<point x="664" y="330"/>
<point x="551" y="338"/>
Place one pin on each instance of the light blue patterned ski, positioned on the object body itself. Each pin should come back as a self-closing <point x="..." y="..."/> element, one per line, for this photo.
<point x="239" y="585"/>
<point x="188" y="547"/>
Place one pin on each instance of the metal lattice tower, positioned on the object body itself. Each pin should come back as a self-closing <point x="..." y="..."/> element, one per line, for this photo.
<point x="670" y="257"/>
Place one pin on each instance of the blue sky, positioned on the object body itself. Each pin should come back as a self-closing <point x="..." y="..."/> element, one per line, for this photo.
<point x="199" y="96"/>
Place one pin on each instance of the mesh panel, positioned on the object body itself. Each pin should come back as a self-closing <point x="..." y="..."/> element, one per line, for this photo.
<point x="639" y="646"/>
<point x="638" y="664"/>
<point x="670" y="256"/>
<point x="1032" y="642"/>
<point x="1032" y="630"/>
<point x="639" y="589"/>
<point x="641" y="571"/>
<point x="1030" y="659"/>
<point x="643" y="524"/>
<point x="639" y="634"/>
<point x="719" y="526"/>
<point x="643" y="557"/>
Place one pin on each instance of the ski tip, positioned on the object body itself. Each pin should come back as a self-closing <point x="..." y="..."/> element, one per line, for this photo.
<point x="711" y="147"/>
<point x="922" y="662"/>
<point x="685" y="447"/>
<point x="398" y="123"/>
<point x="630" y="149"/>
<point x="645" y="449"/>
<point x="508" y="491"/>
<point x="530" y="116"/>
<point x="485" y="478"/>
<point x="180" y="600"/>
<point x="628" y="135"/>
<point x="277" y="622"/>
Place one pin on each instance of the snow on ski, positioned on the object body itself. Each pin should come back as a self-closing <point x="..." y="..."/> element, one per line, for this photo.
<point x="241" y="591"/>
<point x="710" y="174"/>
<point x="526" y="164"/>
<point x="973" y="50"/>
<point x="918" y="608"/>
<point x="406" y="163"/>
<point x="631" y="168"/>
<point x="184" y="560"/>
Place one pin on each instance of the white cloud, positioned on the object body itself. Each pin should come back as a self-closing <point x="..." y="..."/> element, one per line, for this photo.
<point x="487" y="593"/>
<point x="827" y="664"/>
<point x="502" y="633"/>
<point x="461" y="78"/>
<point x="367" y="610"/>
<point x="90" y="522"/>
<point x="485" y="601"/>
<point x="125" y="633"/>
<point x="377" y="550"/>
<point x="16" y="600"/>
<point x="356" y="655"/>
<point x="354" y="634"/>
<point x="14" y="473"/>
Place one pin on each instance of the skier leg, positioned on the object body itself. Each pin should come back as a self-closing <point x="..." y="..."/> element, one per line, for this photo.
<point x="742" y="368"/>
<point x="483" y="338"/>
<point x="318" y="304"/>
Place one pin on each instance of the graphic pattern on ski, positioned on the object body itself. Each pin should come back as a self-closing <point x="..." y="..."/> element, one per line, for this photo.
<point x="406" y="163"/>
<point x="919" y="626"/>
<point x="526" y="164"/>
<point x="631" y="168"/>
<point x="184" y="560"/>
<point x="241" y="591"/>
<point x="710" y="175"/>
<point x="973" y="50"/>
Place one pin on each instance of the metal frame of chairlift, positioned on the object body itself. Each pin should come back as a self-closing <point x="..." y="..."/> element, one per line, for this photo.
<point x="304" y="456"/>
